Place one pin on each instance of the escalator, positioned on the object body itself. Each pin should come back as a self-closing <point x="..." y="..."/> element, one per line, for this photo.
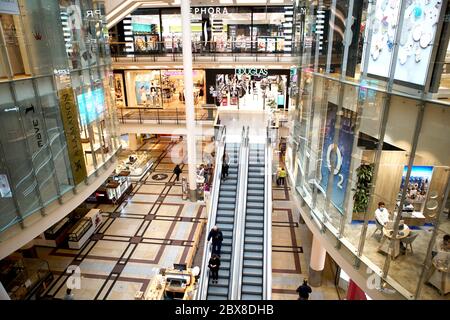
<point x="225" y="220"/>
<point x="252" y="285"/>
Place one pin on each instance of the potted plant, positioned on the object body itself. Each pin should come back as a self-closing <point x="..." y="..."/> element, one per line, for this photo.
<point x="362" y="190"/>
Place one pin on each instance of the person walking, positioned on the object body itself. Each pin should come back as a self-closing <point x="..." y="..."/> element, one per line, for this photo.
<point x="304" y="290"/>
<point x="282" y="176"/>
<point x="217" y="237"/>
<point x="225" y="168"/>
<point x="177" y="170"/>
<point x="214" y="266"/>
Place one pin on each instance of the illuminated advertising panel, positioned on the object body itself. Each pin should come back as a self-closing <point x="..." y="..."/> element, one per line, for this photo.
<point x="416" y="40"/>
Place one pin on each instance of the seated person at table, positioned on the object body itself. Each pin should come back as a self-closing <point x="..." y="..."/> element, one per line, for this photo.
<point x="382" y="214"/>
<point x="441" y="246"/>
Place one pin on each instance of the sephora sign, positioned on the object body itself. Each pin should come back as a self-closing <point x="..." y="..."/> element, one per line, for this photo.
<point x="209" y="10"/>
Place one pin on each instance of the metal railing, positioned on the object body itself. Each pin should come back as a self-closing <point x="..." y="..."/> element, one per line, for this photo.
<point x="267" y="275"/>
<point x="160" y="116"/>
<point x="212" y="49"/>
<point x="212" y="212"/>
<point x="239" y="220"/>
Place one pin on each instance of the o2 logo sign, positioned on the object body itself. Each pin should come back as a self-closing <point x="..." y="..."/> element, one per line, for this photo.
<point x="338" y="165"/>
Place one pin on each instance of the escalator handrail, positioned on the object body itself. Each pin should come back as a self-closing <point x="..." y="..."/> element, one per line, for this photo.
<point x="235" y="254"/>
<point x="239" y="222"/>
<point x="212" y="212"/>
<point x="267" y="273"/>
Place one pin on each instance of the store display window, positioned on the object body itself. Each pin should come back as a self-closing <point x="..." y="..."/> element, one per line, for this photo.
<point x="163" y="89"/>
<point x="248" y="88"/>
<point x="146" y="32"/>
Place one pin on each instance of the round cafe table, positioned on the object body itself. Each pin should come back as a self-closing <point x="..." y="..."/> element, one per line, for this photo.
<point x="388" y="234"/>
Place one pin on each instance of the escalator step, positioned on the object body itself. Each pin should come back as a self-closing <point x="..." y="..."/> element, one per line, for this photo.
<point x="257" y="264"/>
<point x="253" y="247"/>
<point x="227" y="194"/>
<point x="256" y="181"/>
<point x="255" y="205"/>
<point x="223" y="219"/>
<point x="227" y="234"/>
<point x="252" y="280"/>
<point x="225" y="206"/>
<point x="255" y="212"/>
<point x="252" y="272"/>
<point x="225" y="227"/>
<point x="254" y="233"/>
<point x="254" y="225"/>
<point x="220" y="282"/>
<point x="257" y="192"/>
<point x="229" y="182"/>
<point x="225" y="213"/>
<point x="257" y="199"/>
<point x="250" y="255"/>
<point x="253" y="240"/>
<point x="255" y="186"/>
<point x="255" y="218"/>
<point x="225" y="257"/>
<point x="225" y="249"/>
<point x="246" y="296"/>
<point x="224" y="187"/>
<point x="216" y="290"/>
<point x="226" y="200"/>
<point x="250" y="289"/>
<point x="215" y="297"/>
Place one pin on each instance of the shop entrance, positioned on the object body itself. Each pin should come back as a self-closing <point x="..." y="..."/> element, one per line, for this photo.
<point x="253" y="89"/>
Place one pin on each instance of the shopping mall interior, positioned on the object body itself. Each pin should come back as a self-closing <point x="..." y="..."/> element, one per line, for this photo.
<point x="224" y="150"/>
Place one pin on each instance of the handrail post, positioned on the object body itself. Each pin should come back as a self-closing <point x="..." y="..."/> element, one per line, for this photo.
<point x="140" y="118"/>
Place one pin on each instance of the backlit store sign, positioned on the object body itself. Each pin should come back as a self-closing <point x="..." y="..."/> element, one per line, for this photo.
<point x="209" y="10"/>
<point x="260" y="72"/>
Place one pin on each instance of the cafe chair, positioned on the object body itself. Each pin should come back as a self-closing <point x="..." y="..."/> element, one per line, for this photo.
<point x="409" y="240"/>
<point x="378" y="227"/>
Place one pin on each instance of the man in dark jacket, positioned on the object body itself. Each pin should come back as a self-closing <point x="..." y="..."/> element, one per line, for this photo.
<point x="214" y="266"/>
<point x="177" y="170"/>
<point x="217" y="237"/>
<point x="304" y="290"/>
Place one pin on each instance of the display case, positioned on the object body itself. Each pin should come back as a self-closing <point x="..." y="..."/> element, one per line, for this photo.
<point x="24" y="279"/>
<point x="138" y="167"/>
<point x="80" y="230"/>
<point x="84" y="228"/>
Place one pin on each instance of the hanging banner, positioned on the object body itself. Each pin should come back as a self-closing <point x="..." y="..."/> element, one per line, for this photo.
<point x="72" y="132"/>
<point x="9" y="7"/>
<point x="341" y="158"/>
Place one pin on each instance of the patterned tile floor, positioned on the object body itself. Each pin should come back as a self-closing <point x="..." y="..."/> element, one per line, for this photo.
<point x="152" y="228"/>
<point x="291" y="249"/>
<point x="155" y="228"/>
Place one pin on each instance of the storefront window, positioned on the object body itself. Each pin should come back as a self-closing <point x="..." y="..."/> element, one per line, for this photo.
<point x="146" y="31"/>
<point x="163" y="89"/>
<point x="423" y="204"/>
<point x="14" y="46"/>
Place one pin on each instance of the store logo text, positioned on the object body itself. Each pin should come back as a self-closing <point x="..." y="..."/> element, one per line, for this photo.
<point x="251" y="72"/>
<point x="209" y="10"/>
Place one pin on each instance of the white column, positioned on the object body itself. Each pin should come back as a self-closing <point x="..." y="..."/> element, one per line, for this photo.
<point x="3" y="294"/>
<point x="317" y="263"/>
<point x="133" y="141"/>
<point x="189" y="97"/>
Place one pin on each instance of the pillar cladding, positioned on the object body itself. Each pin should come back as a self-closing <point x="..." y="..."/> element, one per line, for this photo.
<point x="189" y="98"/>
<point x="317" y="263"/>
